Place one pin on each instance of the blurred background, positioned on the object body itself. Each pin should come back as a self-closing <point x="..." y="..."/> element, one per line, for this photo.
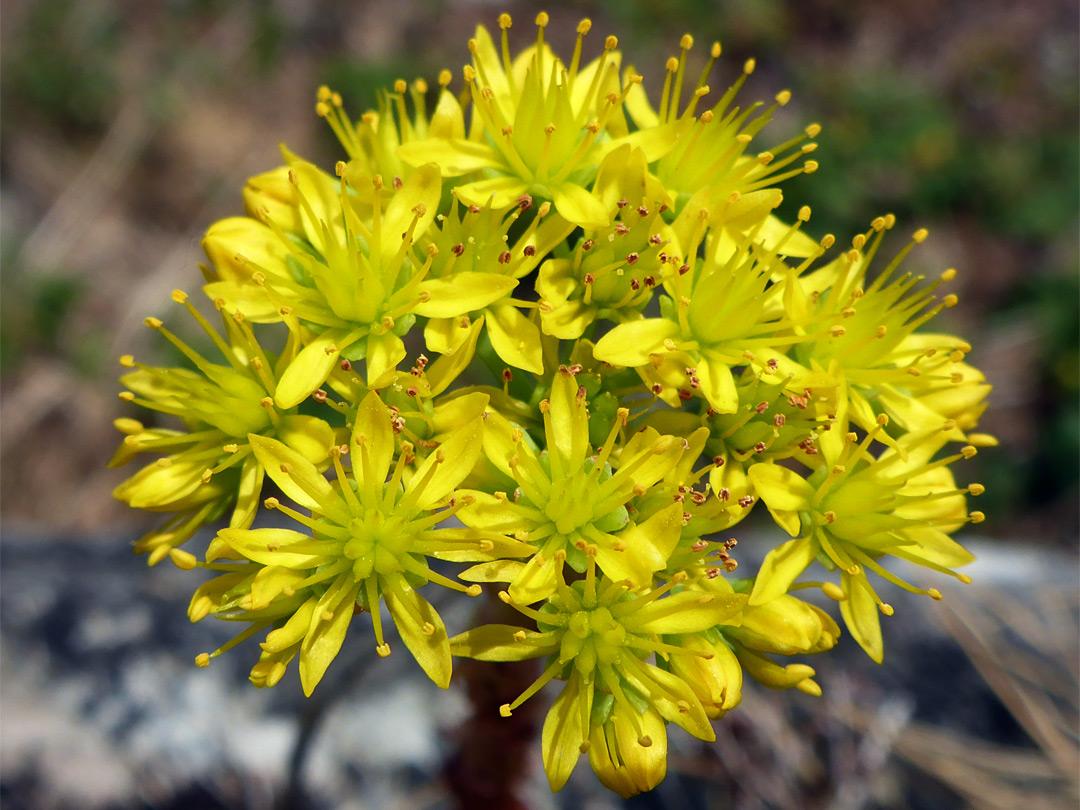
<point x="126" y="128"/>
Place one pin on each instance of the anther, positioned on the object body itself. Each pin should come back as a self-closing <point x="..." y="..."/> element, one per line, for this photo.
<point x="202" y="660"/>
<point x="976" y="517"/>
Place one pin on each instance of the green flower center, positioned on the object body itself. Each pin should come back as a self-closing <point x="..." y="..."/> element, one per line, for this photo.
<point x="376" y="543"/>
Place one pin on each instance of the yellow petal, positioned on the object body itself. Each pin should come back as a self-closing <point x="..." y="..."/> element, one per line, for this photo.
<point x="503" y="642"/>
<point x="569" y="422"/>
<point x="445" y="335"/>
<point x="321" y="645"/>
<point x="535" y="582"/>
<point x="577" y="205"/>
<point x="247" y="497"/>
<point x="309" y="369"/>
<point x="447" y="120"/>
<point x="454" y="458"/>
<point x="630" y="344"/>
<point x="417" y="199"/>
<point x="560" y="743"/>
<point x="454" y="156"/>
<point x="718" y="385"/>
<point x="785" y="492"/>
<point x="798" y="244"/>
<point x="384" y="352"/>
<point x="860" y="613"/>
<point x="320" y="190"/>
<point x="781" y="567"/>
<point x="515" y="338"/>
<point x="461" y="293"/>
<point x="294" y="474"/>
<point x="421" y="629"/>
<point x="271" y="547"/>
<point x="447" y="368"/>
<point x="649" y="544"/>
<point x="671" y="697"/>
<point x="373" y="434"/>
<point x="695" y="613"/>
<point x="493" y="571"/>
<point x="498" y="192"/>
<point x="310" y="436"/>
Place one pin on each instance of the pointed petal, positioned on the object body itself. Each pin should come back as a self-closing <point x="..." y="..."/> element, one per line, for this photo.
<point x="309" y="369"/>
<point x="271" y="547"/>
<point x="247" y="497"/>
<point x="630" y="344"/>
<point x="372" y="429"/>
<point x="310" y="436"/>
<point x="785" y="492"/>
<point x="294" y="474"/>
<point x="569" y="421"/>
<point x="454" y="156"/>
<point x="781" y="567"/>
<point x="460" y="293"/>
<point x="718" y="385"/>
<point x="321" y="646"/>
<point x="384" y="352"/>
<point x="860" y="613"/>
<point x="560" y="744"/>
<point x="455" y="458"/>
<point x="503" y="642"/>
<point x="421" y="629"/>
<point x="577" y="205"/>
<point x="515" y="338"/>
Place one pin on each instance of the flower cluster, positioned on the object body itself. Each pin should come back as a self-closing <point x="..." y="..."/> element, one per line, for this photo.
<point x="630" y="351"/>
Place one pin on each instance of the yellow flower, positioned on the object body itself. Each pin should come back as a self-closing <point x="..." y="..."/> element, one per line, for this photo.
<point x="599" y="636"/>
<point x="613" y="270"/>
<point x="853" y="509"/>
<point x="917" y="379"/>
<point x="717" y="312"/>
<point x="374" y="141"/>
<point x="370" y="539"/>
<point x="539" y="127"/>
<point x="210" y="466"/>
<point x="572" y="502"/>
<point x="359" y="284"/>
<point x="711" y="156"/>
<point x="769" y="424"/>
<point x="473" y="239"/>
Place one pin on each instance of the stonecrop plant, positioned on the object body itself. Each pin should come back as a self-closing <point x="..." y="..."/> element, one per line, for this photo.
<point x="552" y="330"/>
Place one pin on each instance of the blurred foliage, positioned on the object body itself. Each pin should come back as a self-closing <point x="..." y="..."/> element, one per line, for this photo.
<point x="62" y="65"/>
